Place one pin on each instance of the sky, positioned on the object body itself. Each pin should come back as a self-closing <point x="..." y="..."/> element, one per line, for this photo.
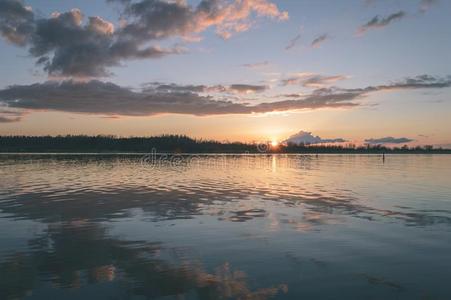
<point x="361" y="71"/>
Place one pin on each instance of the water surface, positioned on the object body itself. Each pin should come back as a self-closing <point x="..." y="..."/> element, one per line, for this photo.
<point x="225" y="227"/>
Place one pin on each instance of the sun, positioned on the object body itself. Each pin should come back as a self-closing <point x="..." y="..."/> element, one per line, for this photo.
<point x="274" y="143"/>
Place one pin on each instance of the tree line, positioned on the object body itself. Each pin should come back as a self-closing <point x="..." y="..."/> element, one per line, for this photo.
<point x="181" y="144"/>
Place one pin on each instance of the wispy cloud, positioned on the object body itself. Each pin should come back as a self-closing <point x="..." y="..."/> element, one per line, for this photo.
<point x="425" y="5"/>
<point x="318" y="41"/>
<point x="66" y="45"/>
<point x="10" y="115"/>
<point x="311" y="80"/>
<point x="369" y="2"/>
<point x="419" y="82"/>
<point x="380" y="22"/>
<point x="388" y="140"/>
<point x="256" y="65"/>
<point x="293" y="42"/>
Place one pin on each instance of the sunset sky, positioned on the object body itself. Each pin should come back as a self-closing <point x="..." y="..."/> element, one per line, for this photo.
<point x="249" y="70"/>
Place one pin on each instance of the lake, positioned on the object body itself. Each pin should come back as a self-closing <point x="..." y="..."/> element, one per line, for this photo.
<point x="225" y="226"/>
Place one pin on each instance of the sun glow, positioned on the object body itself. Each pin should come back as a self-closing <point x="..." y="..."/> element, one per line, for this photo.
<point x="274" y="143"/>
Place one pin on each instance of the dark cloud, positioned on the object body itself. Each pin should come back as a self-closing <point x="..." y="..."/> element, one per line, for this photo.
<point x="318" y="41"/>
<point x="159" y="19"/>
<point x="16" y="22"/>
<point x="175" y="88"/>
<point x="247" y="88"/>
<point x="107" y="98"/>
<point x="293" y="95"/>
<point x="104" y="98"/>
<point x="233" y="88"/>
<point x="380" y="22"/>
<point x="68" y="46"/>
<point x="304" y="137"/>
<point x="389" y="140"/>
<point x="85" y="50"/>
<point x="98" y="97"/>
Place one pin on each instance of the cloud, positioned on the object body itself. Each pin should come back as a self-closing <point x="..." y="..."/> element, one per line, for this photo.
<point x="409" y="83"/>
<point x="247" y="88"/>
<point x="231" y="89"/>
<point x="425" y="5"/>
<point x="369" y="2"/>
<point x="380" y="22"/>
<point x="103" y="98"/>
<point x="311" y="80"/>
<point x="319" y="81"/>
<point x="318" y="41"/>
<point x="66" y="45"/>
<point x="304" y="137"/>
<point x="8" y="120"/>
<point x="256" y="65"/>
<point x="9" y="115"/>
<point x="96" y="97"/>
<point x="152" y="19"/>
<point x="293" y="42"/>
<point x="16" y="22"/>
<point x="418" y="82"/>
<point x="175" y="88"/>
<point x="296" y="79"/>
<point x="388" y="140"/>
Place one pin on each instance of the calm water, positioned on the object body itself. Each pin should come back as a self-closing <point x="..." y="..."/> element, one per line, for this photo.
<point x="225" y="227"/>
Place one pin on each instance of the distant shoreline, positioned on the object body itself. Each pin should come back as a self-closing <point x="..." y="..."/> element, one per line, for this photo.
<point x="4" y="155"/>
<point x="183" y="145"/>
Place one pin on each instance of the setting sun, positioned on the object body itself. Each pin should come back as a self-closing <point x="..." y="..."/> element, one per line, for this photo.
<point x="274" y="143"/>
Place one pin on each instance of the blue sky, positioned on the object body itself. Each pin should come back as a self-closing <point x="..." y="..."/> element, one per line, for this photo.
<point x="414" y="41"/>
